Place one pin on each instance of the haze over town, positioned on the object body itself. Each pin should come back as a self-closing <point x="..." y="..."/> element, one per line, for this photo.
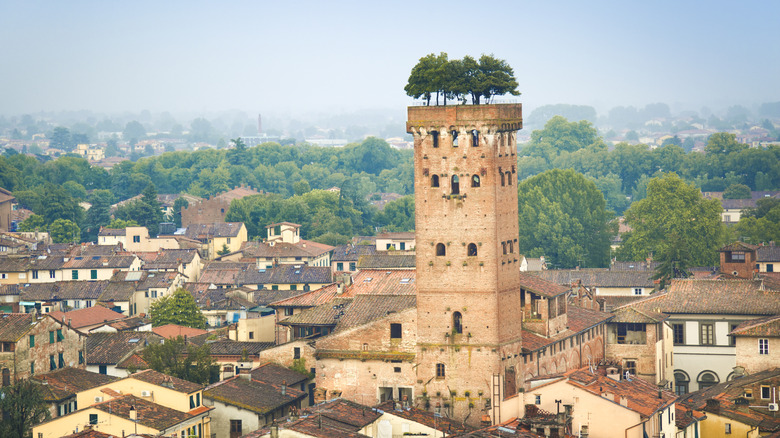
<point x="299" y="59"/>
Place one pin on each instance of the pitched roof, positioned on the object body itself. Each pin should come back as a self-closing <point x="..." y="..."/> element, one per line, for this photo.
<point x="170" y="382"/>
<point x="258" y="397"/>
<point x="633" y="315"/>
<point x="347" y="414"/>
<point x="169" y="331"/>
<point x="238" y="193"/>
<point x="694" y="296"/>
<point x="351" y="253"/>
<point x="87" y="316"/>
<point x="769" y="327"/>
<point x="64" y="290"/>
<point x="89" y="433"/>
<point x="383" y="282"/>
<point x="739" y="246"/>
<point x="235" y="348"/>
<point x="104" y="231"/>
<point x="303" y="248"/>
<point x="110" y="348"/>
<point x="98" y="261"/>
<point x="326" y="314"/>
<point x="170" y="258"/>
<point x="579" y="319"/>
<point x="286" y="274"/>
<point x="541" y="286"/>
<point x="424" y="417"/>
<point x="387" y="261"/>
<point x="640" y="396"/>
<point x="598" y="277"/>
<point x="66" y="382"/>
<point x="276" y="374"/>
<point x="14" y="325"/>
<point x="770" y="253"/>
<point x="149" y="414"/>
<point x="724" y="400"/>
<point x="310" y="299"/>
<point x="368" y="308"/>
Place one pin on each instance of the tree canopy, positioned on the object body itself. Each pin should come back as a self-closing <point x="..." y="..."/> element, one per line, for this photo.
<point x="23" y="406"/>
<point x="455" y="79"/>
<point x="179" y="359"/>
<point x="563" y="217"/>
<point x="675" y="224"/>
<point x="178" y="308"/>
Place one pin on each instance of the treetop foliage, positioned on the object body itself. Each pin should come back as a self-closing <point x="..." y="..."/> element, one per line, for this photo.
<point x="456" y="79"/>
<point x="178" y="308"/>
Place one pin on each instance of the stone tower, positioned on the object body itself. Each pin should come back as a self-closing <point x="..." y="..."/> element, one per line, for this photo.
<point x="468" y="294"/>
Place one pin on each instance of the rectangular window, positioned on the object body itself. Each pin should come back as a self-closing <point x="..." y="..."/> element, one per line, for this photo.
<point x="728" y="428"/>
<point x="748" y="393"/>
<point x="197" y="399"/>
<point x="732" y="339"/>
<point x="763" y="346"/>
<point x="32" y="341"/>
<point x="770" y="267"/>
<point x="765" y="392"/>
<point x="435" y="135"/>
<point x="235" y="428"/>
<point x="192" y="402"/>
<point x="352" y="266"/>
<point x="61" y="360"/>
<point x="339" y="266"/>
<point x="293" y="287"/>
<point x="102" y="369"/>
<point x="93" y="274"/>
<point x="51" y="337"/>
<point x="630" y="366"/>
<point x="228" y="240"/>
<point x="35" y="274"/>
<point x="52" y="273"/>
<point x="74" y="274"/>
<point x="678" y="331"/>
<point x="93" y="419"/>
<point x="537" y="399"/>
<point x="637" y="291"/>
<point x="251" y="335"/>
<point x="275" y="287"/>
<point x="32" y="367"/>
<point x="707" y="334"/>
<point x="59" y="335"/>
<point x="296" y="353"/>
<point x="288" y="311"/>
<point x="440" y="371"/>
<point x="402" y="245"/>
<point x="136" y="239"/>
<point x="395" y="331"/>
<point x="737" y="257"/>
<point x="81" y="357"/>
<point x="52" y="363"/>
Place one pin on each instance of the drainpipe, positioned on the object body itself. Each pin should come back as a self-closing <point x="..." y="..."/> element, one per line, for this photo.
<point x="638" y="424"/>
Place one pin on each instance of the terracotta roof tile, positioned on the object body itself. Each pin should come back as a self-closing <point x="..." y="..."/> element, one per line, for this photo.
<point x="66" y="382"/>
<point x="87" y="316"/>
<point x="170" y="382"/>
<point x="235" y="348"/>
<point x="210" y="231"/>
<point x="693" y="296"/>
<point x="170" y="331"/>
<point x="64" y="290"/>
<point x="425" y="418"/>
<point x="14" y="325"/>
<point x="326" y="314"/>
<point x="541" y="286"/>
<point x="368" y="308"/>
<point x="387" y="261"/>
<point x="312" y="298"/>
<point x="110" y="348"/>
<point x="303" y="248"/>
<point x="277" y="374"/>
<point x="598" y="277"/>
<point x="149" y="414"/>
<point x="579" y="320"/>
<point x="383" y="282"/>
<point x="770" y="253"/>
<point x="769" y="327"/>
<point x="351" y="253"/>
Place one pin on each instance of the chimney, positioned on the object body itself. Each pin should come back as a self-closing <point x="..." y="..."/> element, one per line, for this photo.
<point x="713" y="405"/>
<point x="284" y="387"/>
<point x="624" y="401"/>
<point x="339" y="288"/>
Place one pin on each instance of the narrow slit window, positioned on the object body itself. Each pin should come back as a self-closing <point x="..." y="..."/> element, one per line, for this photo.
<point x="454" y="138"/>
<point x="474" y="138"/>
<point x="435" y="135"/>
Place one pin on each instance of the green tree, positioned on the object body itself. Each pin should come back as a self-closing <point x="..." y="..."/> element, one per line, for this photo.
<point x="145" y="211"/>
<point x="177" y="358"/>
<point x="674" y="223"/>
<point x="224" y="251"/>
<point x="60" y="139"/>
<point x="23" y="406"/>
<point x="33" y="223"/>
<point x="178" y="205"/>
<point x="99" y="215"/>
<point x="426" y="77"/>
<point x="562" y="135"/>
<point x="563" y="217"/>
<point x="121" y="224"/>
<point x="737" y="191"/>
<point x="178" y="308"/>
<point x="496" y="78"/>
<point x="64" y="230"/>
<point x="723" y="143"/>
<point x="761" y="224"/>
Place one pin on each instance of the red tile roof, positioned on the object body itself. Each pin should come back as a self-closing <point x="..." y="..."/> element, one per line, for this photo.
<point x="258" y="397"/>
<point x="87" y="316"/>
<point x="768" y="327"/>
<point x="541" y="286"/>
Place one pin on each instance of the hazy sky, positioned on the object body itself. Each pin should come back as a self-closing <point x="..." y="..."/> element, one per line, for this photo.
<point x="263" y="56"/>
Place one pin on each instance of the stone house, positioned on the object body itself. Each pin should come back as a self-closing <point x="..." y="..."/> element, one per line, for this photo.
<point x="739" y="259"/>
<point x="768" y="258"/>
<point x="34" y="344"/>
<point x="641" y="342"/>
<point x="62" y="295"/>
<point x="345" y="257"/>
<point x="213" y="209"/>
<point x="757" y="343"/>
<point x="106" y="351"/>
<point x="96" y="267"/>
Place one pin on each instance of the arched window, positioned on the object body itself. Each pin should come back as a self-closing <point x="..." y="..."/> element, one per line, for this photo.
<point x="707" y="379"/>
<point x="441" y="250"/>
<point x="681" y="382"/>
<point x="474" y="180"/>
<point x="435" y="181"/>
<point x="503" y="182"/>
<point x="454" y="138"/>
<point x="455" y="185"/>
<point x="457" y="322"/>
<point x="472" y="250"/>
<point x="474" y="138"/>
<point x="435" y="135"/>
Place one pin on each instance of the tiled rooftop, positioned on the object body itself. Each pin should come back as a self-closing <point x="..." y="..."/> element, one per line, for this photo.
<point x="277" y="374"/>
<point x="110" y="348"/>
<point x="762" y="327"/>
<point x="64" y="290"/>
<point x="87" y="316"/>
<point x="368" y="308"/>
<point x="326" y="314"/>
<point x="170" y="331"/>
<point x="66" y="382"/>
<point x="541" y="286"/>
<point x="14" y="325"/>
<point x="351" y="253"/>
<point x="258" y="397"/>
<point x="170" y="382"/>
<point x="149" y="414"/>
<point x="387" y="261"/>
<point x="598" y="277"/>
